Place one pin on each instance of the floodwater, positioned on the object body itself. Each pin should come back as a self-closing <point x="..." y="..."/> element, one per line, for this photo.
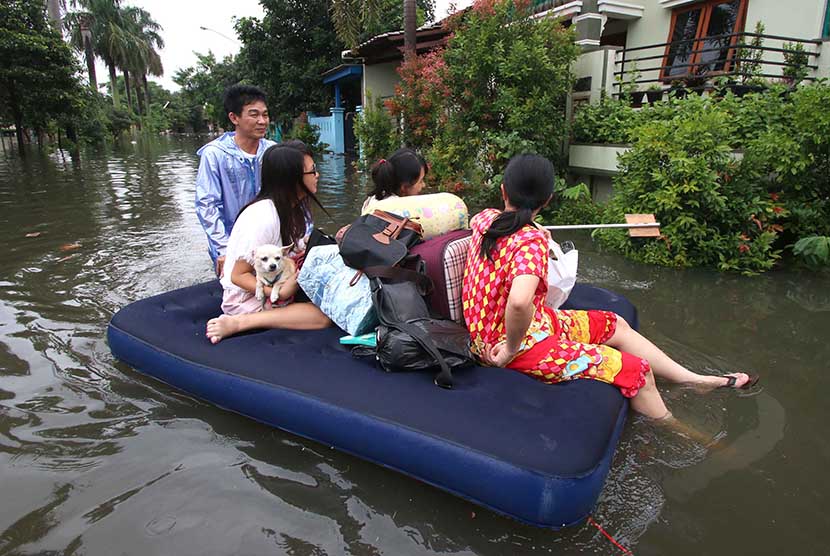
<point x="98" y="459"/>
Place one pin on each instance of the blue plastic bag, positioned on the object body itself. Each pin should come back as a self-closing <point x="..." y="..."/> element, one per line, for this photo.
<point x="325" y="278"/>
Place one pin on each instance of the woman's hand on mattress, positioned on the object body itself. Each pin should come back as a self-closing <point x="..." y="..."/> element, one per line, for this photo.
<point x="499" y="355"/>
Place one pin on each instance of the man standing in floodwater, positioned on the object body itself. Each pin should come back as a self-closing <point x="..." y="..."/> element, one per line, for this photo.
<point x="229" y="169"/>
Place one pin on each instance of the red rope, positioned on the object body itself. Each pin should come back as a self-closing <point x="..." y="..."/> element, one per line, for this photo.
<point x="609" y="537"/>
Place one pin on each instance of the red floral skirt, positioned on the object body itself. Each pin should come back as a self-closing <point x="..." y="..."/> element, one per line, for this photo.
<point x="579" y="351"/>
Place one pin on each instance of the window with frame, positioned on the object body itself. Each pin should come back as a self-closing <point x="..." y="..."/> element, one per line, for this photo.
<point x="699" y="38"/>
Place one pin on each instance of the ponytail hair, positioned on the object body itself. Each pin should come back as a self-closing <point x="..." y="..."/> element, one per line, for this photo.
<point x="528" y="184"/>
<point x="389" y="175"/>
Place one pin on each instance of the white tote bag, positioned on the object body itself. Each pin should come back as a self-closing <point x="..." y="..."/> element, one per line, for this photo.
<point x="561" y="275"/>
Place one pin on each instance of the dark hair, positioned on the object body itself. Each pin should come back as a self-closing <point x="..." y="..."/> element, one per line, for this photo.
<point x="390" y="174"/>
<point x="238" y="96"/>
<point x="528" y="182"/>
<point x="282" y="178"/>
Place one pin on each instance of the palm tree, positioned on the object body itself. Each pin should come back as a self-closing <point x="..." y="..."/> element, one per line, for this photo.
<point x="144" y="58"/>
<point x="110" y="39"/>
<point x="352" y="17"/>
<point x="80" y="36"/>
<point x="54" y="9"/>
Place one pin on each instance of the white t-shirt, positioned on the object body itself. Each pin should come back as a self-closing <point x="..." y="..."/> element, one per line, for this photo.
<point x="371" y="201"/>
<point x="257" y="225"/>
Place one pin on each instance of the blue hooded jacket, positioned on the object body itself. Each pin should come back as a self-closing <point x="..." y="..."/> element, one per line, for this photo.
<point x="228" y="179"/>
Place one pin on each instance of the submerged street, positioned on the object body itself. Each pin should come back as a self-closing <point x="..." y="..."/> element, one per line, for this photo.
<point x="96" y="458"/>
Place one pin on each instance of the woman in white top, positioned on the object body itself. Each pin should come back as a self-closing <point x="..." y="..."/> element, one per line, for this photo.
<point x="401" y="175"/>
<point x="280" y="214"/>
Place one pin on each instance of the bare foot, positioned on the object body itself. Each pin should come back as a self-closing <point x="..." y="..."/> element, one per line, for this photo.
<point x="221" y="327"/>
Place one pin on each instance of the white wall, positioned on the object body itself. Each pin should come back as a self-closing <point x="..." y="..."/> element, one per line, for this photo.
<point x="380" y="80"/>
<point x="801" y="19"/>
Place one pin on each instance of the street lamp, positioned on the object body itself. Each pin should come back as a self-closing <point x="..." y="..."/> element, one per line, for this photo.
<point x="203" y="28"/>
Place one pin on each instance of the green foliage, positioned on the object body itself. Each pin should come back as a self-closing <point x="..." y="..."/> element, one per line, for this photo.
<point x="39" y="83"/>
<point x="308" y="134"/>
<point x="118" y="120"/>
<point x="92" y="123"/>
<point x="506" y="80"/>
<point x="572" y="205"/>
<point x="796" y="59"/>
<point x="286" y="52"/>
<point x="202" y="90"/>
<point x="375" y="132"/>
<point x="814" y="250"/>
<point x="789" y="156"/>
<point x="681" y="170"/>
<point x="357" y="21"/>
<point x="777" y="192"/>
<point x="607" y="121"/>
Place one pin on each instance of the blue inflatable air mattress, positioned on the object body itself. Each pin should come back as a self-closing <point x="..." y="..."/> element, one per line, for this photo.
<point x="538" y="453"/>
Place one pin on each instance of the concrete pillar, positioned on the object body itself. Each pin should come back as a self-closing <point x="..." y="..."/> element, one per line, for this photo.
<point x="589" y="24"/>
<point x="338" y="116"/>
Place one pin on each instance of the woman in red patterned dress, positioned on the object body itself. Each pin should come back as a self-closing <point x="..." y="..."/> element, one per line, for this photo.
<point x="505" y="282"/>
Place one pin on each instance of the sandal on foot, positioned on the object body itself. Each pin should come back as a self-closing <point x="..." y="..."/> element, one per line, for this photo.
<point x="731" y="380"/>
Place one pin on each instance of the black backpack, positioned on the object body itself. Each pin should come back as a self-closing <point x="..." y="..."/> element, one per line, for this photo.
<point x="408" y="338"/>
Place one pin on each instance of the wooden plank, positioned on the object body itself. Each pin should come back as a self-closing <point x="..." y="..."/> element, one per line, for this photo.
<point x="642" y="219"/>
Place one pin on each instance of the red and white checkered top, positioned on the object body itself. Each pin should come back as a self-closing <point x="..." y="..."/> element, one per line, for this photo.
<point x="487" y="283"/>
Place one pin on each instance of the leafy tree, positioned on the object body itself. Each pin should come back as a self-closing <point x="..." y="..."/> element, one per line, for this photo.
<point x="202" y="89"/>
<point x="357" y="21"/>
<point x="38" y="80"/>
<point x="143" y="58"/>
<point x="498" y="89"/>
<point x="111" y="40"/>
<point x="286" y="52"/>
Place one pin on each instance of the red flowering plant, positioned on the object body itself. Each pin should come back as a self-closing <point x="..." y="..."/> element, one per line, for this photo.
<point x="420" y="98"/>
<point x="507" y="78"/>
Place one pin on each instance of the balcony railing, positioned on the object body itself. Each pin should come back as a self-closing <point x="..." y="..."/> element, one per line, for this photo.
<point x="693" y="65"/>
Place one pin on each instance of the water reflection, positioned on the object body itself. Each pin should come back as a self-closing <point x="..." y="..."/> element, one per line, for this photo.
<point x="95" y="457"/>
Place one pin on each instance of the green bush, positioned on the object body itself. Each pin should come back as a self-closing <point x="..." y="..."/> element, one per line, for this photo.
<point x="765" y="201"/>
<point x="681" y="170"/>
<point x="814" y="250"/>
<point x="504" y="83"/>
<point x="572" y="205"/>
<point x="608" y="121"/>
<point x="497" y="89"/>
<point x="307" y="133"/>
<point x="375" y="132"/>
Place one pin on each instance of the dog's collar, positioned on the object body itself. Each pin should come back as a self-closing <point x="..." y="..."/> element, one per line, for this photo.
<point x="274" y="281"/>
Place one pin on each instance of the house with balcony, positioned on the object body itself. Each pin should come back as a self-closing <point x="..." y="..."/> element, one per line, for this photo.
<point x="641" y="44"/>
<point x="664" y="46"/>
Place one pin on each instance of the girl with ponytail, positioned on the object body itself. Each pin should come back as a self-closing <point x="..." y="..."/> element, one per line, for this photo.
<point x="504" y="289"/>
<point x="400" y="175"/>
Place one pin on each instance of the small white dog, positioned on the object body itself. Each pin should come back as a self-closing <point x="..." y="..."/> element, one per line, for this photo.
<point x="273" y="268"/>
